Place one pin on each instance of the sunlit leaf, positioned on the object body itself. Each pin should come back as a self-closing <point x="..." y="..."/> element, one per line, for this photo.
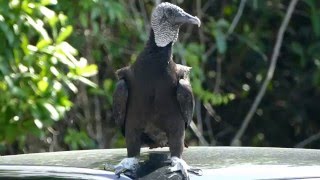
<point x="35" y="64"/>
<point x="87" y="71"/>
<point x="48" y="13"/>
<point x="43" y="43"/>
<point x="63" y="18"/>
<point x="43" y="85"/>
<point x="88" y="82"/>
<point x="52" y="110"/>
<point x="49" y="2"/>
<point x="62" y="58"/>
<point x="71" y="86"/>
<point x="64" y="33"/>
<point x="38" y="123"/>
<point x="38" y="26"/>
<point x="65" y="102"/>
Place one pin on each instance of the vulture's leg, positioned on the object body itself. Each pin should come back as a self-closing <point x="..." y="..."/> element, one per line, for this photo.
<point x="176" y="144"/>
<point x="131" y="163"/>
<point x="176" y="140"/>
<point x="133" y="141"/>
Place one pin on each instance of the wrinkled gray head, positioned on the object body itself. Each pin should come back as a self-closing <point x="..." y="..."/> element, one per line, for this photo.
<point x="166" y="20"/>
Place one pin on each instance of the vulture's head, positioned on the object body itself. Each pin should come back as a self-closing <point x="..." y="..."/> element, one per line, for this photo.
<point x="166" y="20"/>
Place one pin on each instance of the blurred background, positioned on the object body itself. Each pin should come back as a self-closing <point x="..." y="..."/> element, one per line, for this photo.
<point x="58" y="59"/>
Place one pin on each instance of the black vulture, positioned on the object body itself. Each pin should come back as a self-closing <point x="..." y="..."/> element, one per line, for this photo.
<point x="153" y="101"/>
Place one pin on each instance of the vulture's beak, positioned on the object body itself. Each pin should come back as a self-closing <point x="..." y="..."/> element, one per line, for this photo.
<point x="187" y="18"/>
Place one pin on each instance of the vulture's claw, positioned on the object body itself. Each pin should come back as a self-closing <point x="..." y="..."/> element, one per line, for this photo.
<point x="196" y="171"/>
<point x="127" y="164"/>
<point x="180" y="165"/>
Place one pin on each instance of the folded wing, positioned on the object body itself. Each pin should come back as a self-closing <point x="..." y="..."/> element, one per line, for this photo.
<point x="184" y="94"/>
<point x="120" y="98"/>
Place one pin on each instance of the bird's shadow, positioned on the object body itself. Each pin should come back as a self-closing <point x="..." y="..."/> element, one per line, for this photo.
<point x="155" y="167"/>
<point x="156" y="161"/>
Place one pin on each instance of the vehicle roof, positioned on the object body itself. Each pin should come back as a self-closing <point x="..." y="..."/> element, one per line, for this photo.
<point x="220" y="162"/>
<point x="54" y="172"/>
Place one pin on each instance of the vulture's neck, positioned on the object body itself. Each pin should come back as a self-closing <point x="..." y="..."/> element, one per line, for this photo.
<point x="160" y="54"/>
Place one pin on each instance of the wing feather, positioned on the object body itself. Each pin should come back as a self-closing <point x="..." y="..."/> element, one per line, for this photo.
<point x="184" y="94"/>
<point x="120" y="98"/>
<point x="119" y="106"/>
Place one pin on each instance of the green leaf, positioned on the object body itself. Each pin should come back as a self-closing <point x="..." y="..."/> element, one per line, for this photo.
<point x="64" y="33"/>
<point x="38" y="123"/>
<point x="43" y="43"/>
<point x="298" y="49"/>
<point x="64" y="101"/>
<point x="8" y="32"/>
<point x="62" y="58"/>
<point x="314" y="16"/>
<point x="38" y="26"/>
<point x="52" y="110"/>
<point x="48" y="13"/>
<point x="71" y="86"/>
<point x="11" y="132"/>
<point x="43" y="85"/>
<point x="49" y="2"/>
<point x="83" y="20"/>
<point x="220" y="41"/>
<point x="87" y="82"/>
<point x="63" y="18"/>
<point x="108" y="85"/>
<point x="78" y="139"/>
<point x="87" y="71"/>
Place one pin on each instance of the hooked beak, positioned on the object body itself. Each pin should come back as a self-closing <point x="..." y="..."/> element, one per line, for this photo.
<point x="187" y="18"/>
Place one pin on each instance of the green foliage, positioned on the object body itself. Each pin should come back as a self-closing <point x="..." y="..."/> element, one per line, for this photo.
<point x="194" y="56"/>
<point x="78" y="140"/>
<point x="37" y="68"/>
<point x="219" y="31"/>
<point x="314" y="17"/>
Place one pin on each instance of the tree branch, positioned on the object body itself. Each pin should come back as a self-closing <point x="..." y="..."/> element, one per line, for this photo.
<point x="236" y="140"/>
<point x="199" y="117"/>
<point x="237" y="17"/>
<point x="196" y="131"/>
<point x="218" y="79"/>
<point x="307" y="141"/>
<point x="233" y="25"/>
<point x="144" y="15"/>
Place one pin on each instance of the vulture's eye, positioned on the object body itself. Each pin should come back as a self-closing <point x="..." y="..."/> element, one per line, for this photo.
<point x="169" y="13"/>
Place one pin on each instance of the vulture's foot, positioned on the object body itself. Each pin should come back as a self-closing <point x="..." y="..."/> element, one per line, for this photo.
<point x="180" y="165"/>
<point x="127" y="164"/>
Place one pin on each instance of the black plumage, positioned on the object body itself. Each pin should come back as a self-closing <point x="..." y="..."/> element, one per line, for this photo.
<point x="153" y="101"/>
